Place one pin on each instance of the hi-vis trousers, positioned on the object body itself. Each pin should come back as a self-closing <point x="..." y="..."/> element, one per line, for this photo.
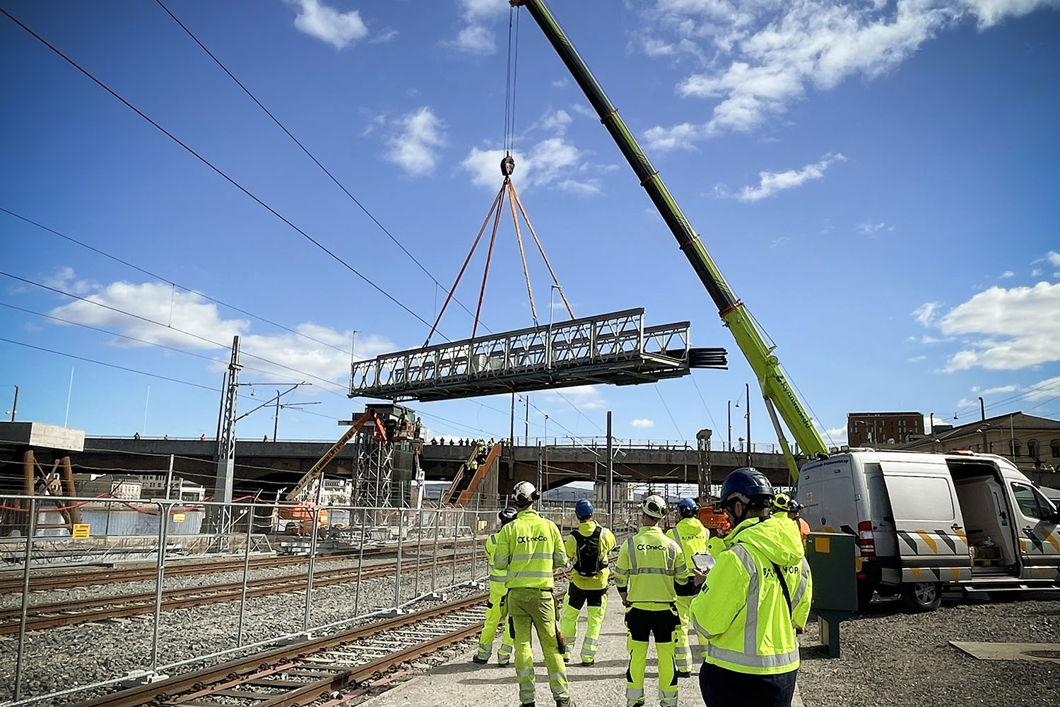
<point x="535" y="608"/>
<point x="496" y="613"/>
<point x="572" y="606"/>
<point x="661" y="625"/>
<point x="683" y="651"/>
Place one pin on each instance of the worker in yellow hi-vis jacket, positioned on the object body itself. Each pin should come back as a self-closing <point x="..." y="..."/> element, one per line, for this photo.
<point x="690" y="534"/>
<point x="530" y="549"/>
<point x="588" y="547"/>
<point x="496" y="607"/>
<point x="649" y="565"/>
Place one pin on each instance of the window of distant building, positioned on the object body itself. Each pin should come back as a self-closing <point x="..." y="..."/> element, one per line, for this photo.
<point x="1054" y="446"/>
<point x="1032" y="448"/>
<point x="1014" y="447"/>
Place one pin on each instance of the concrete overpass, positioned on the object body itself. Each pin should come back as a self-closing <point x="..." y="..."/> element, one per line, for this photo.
<point x="273" y="465"/>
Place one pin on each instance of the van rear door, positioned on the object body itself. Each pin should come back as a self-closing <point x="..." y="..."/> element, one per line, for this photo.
<point x="927" y="520"/>
<point x="1039" y="534"/>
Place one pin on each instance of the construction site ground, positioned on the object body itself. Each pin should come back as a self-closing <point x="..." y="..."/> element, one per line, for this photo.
<point x="888" y="657"/>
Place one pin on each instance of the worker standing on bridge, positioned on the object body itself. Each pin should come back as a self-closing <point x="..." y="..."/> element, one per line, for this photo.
<point x="692" y="536"/>
<point x="496" y="607"/>
<point x="588" y="546"/>
<point x="757" y="596"/>
<point x="530" y="548"/>
<point x="650" y="565"/>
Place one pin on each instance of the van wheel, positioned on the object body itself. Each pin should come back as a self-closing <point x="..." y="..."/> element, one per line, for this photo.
<point x="865" y="590"/>
<point x="922" y="596"/>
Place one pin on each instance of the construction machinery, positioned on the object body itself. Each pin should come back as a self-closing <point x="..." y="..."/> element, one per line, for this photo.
<point x="471" y="473"/>
<point x="779" y="395"/>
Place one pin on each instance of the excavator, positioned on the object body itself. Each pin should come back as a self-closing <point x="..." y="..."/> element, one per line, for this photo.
<point x="296" y="508"/>
<point x="778" y="393"/>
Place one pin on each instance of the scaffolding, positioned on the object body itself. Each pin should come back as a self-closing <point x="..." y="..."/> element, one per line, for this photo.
<point x="613" y="348"/>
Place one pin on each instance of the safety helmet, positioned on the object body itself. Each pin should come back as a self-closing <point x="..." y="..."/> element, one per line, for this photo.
<point x="524" y="494"/>
<point x="687" y="507"/>
<point x="654" y="506"/>
<point x="795" y="506"/>
<point x="744" y="484"/>
<point x="583" y="509"/>
<point x="782" y="502"/>
<point x="507" y="516"/>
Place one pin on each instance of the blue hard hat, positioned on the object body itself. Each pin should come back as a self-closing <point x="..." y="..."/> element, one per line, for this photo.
<point x="745" y="483"/>
<point x="687" y="507"/>
<point x="583" y="508"/>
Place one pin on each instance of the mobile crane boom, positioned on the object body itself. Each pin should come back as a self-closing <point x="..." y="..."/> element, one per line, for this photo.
<point x="776" y="390"/>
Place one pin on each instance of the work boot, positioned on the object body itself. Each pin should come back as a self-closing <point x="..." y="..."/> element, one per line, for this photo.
<point x="588" y="662"/>
<point x="565" y="703"/>
<point x="683" y="674"/>
<point x="480" y="661"/>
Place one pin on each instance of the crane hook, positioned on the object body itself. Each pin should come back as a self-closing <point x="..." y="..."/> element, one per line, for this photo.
<point x="507" y="165"/>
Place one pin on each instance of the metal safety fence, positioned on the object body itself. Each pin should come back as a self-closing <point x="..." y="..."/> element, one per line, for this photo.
<point x="213" y="581"/>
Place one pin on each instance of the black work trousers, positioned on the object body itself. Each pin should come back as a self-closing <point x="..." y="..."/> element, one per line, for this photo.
<point x="727" y="688"/>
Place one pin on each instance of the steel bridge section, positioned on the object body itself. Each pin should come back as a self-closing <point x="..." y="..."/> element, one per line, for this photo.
<point x="613" y="348"/>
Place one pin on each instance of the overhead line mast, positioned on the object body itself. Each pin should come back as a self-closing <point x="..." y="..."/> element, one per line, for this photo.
<point x="776" y="390"/>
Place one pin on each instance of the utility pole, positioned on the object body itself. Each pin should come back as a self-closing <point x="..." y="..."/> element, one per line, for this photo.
<point x="276" y="418"/>
<point x="610" y="474"/>
<point x="728" y="415"/>
<point x="226" y="443"/>
<point x="747" y="391"/>
<point x="14" y="406"/>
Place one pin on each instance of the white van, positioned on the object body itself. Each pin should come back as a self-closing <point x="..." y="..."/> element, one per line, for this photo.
<point x="925" y="521"/>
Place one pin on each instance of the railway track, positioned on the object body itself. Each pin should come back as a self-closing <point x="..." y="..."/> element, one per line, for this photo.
<point x="181" y="568"/>
<point x="335" y="668"/>
<point x="45" y="616"/>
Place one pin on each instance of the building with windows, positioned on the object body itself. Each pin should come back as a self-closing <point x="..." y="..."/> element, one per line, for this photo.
<point x="1032" y="443"/>
<point x="868" y="429"/>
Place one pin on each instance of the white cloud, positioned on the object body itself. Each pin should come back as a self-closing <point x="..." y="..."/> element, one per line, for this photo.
<point x="160" y="315"/>
<point x="836" y="436"/>
<point x="474" y="39"/>
<point x="998" y="389"/>
<point x="1007" y="274"/>
<point x="869" y="228"/>
<point x="328" y="24"/>
<point x="916" y="359"/>
<point x="1053" y="257"/>
<point x="926" y="313"/>
<point x="557" y="120"/>
<point x="583" y="397"/>
<point x="1006" y="329"/>
<point x="772" y="182"/>
<point x="771" y="53"/>
<point x="1048" y="388"/>
<point x="548" y="164"/>
<point x="414" y="147"/>
<point x="483" y="8"/>
<point x="643" y="423"/>
<point x="65" y="280"/>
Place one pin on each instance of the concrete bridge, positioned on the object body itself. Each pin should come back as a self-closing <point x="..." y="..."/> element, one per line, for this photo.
<point x="269" y="466"/>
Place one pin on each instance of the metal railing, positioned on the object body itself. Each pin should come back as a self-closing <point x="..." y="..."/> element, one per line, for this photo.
<point x="434" y="551"/>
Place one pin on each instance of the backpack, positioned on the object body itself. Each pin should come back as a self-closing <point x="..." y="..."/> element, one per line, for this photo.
<point x="588" y="562"/>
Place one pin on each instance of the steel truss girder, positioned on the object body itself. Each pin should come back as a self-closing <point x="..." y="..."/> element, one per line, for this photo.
<point x="613" y="348"/>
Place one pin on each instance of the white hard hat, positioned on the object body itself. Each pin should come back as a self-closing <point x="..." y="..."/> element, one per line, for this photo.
<point x="654" y="506"/>
<point x="524" y="493"/>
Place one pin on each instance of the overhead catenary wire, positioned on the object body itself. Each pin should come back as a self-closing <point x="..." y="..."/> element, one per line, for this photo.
<point x="165" y="279"/>
<point x="215" y="169"/>
<point x="307" y="152"/>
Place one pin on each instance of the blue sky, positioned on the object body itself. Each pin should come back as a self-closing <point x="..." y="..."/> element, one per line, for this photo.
<point x="876" y="180"/>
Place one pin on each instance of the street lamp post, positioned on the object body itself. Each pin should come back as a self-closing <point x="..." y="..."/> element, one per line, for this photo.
<point x="728" y="407"/>
<point x="982" y="409"/>
<point x="14" y="405"/>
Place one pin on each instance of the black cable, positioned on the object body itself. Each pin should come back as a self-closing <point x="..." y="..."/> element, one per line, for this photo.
<point x="170" y="327"/>
<point x="216" y="169"/>
<point x="111" y="365"/>
<point x="309" y="154"/>
<point x="165" y="279"/>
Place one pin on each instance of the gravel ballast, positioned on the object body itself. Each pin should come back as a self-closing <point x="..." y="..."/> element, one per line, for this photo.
<point x="890" y="657"/>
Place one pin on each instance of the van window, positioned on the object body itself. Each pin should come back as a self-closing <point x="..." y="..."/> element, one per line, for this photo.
<point x="1032" y="504"/>
<point x="920" y="498"/>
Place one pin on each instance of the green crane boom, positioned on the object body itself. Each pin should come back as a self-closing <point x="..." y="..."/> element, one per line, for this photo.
<point x="778" y="393"/>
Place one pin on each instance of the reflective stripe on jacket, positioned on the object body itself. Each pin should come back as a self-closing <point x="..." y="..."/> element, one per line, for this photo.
<point x="742" y="611"/>
<point x="530" y="549"/>
<point x="648" y="565"/>
<point x="496" y="576"/>
<point x="607" y="544"/>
